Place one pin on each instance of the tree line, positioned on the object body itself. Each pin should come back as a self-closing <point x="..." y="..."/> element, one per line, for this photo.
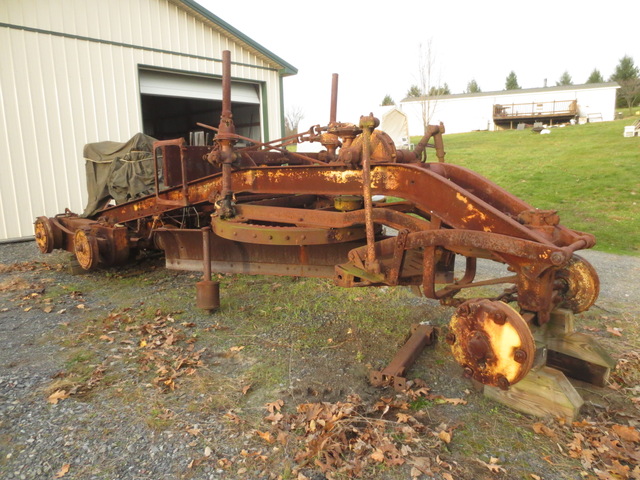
<point x="626" y="74"/>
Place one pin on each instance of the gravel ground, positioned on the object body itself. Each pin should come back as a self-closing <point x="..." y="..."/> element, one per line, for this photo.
<point x="100" y="439"/>
<point x="104" y="438"/>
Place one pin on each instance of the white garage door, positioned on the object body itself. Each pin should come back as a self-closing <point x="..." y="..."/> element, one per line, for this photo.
<point x="169" y="84"/>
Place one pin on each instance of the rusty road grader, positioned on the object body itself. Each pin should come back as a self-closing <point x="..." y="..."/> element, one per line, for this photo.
<point x="264" y="210"/>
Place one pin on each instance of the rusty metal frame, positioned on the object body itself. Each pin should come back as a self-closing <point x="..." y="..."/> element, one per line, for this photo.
<point x="265" y="210"/>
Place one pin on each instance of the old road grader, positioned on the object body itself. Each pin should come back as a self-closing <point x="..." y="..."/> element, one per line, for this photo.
<point x="262" y="209"/>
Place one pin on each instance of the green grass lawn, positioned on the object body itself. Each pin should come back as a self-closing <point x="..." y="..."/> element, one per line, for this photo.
<point x="589" y="173"/>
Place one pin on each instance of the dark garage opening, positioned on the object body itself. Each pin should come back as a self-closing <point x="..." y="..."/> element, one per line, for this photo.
<point x="165" y="117"/>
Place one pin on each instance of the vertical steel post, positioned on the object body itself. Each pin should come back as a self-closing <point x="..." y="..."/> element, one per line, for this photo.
<point x="207" y="291"/>
<point x="333" y="114"/>
<point x="226" y="138"/>
<point x="368" y="123"/>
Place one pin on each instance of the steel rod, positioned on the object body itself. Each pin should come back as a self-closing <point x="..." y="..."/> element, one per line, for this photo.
<point x="334" y="99"/>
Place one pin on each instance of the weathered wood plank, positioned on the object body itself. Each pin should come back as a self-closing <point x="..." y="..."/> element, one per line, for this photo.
<point x="576" y="354"/>
<point x="580" y="356"/>
<point x="543" y="392"/>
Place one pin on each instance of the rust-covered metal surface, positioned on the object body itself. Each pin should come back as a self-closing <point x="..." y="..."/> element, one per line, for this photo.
<point x="265" y="210"/>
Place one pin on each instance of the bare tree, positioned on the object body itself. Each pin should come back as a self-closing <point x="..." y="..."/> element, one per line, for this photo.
<point x="427" y="81"/>
<point x="292" y="119"/>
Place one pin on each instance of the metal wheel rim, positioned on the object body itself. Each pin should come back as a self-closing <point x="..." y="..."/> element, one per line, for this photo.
<point x="85" y="247"/>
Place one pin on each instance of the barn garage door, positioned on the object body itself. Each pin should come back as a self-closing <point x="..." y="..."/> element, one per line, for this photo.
<point x="173" y="103"/>
<point x="192" y="86"/>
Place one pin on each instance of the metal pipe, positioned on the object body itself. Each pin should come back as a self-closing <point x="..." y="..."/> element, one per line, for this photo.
<point x="367" y="123"/>
<point x="206" y="253"/>
<point x="334" y="99"/>
<point x="226" y="84"/>
<point x="207" y="291"/>
<point x="183" y="174"/>
<point x="226" y="137"/>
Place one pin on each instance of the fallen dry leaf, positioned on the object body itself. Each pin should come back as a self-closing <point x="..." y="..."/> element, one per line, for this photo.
<point x="444" y="436"/>
<point x="615" y="331"/>
<point x="266" y="436"/>
<point x="627" y="433"/>
<point x="63" y="471"/>
<point x="245" y="389"/>
<point x="403" y="417"/>
<point x="274" y="406"/>
<point x="56" y="396"/>
<point x="274" y="418"/>
<point x="378" y="455"/>
<point x="542" y="429"/>
<point x="492" y="465"/>
<point x="420" y="465"/>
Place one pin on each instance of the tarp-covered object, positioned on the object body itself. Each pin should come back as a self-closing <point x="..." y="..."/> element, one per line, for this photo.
<point x="118" y="171"/>
<point x="395" y="124"/>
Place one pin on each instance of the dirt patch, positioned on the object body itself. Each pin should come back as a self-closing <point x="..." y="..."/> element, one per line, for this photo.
<point x="117" y="375"/>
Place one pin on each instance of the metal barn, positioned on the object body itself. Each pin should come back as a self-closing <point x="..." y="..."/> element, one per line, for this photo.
<point x="81" y="71"/>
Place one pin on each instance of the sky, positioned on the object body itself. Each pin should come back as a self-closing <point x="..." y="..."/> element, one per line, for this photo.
<point x="374" y="46"/>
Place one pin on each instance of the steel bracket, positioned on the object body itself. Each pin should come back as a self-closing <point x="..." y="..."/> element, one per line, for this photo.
<point x="421" y="336"/>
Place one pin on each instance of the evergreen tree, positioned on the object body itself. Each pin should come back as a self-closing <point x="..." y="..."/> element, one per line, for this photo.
<point x="595" y="77"/>
<point x="387" y="100"/>
<point x="414" y="91"/>
<point x="472" y="87"/>
<point x="565" y="79"/>
<point x="511" y="82"/>
<point x="439" y="91"/>
<point x="626" y="74"/>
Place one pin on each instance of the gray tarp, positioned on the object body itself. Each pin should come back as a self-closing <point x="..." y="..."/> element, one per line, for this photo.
<point x="118" y="171"/>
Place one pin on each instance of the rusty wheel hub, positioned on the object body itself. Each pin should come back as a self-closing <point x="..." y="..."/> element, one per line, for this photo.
<point x="85" y="247"/>
<point x="492" y="342"/>
<point x="582" y="284"/>
<point x="47" y="237"/>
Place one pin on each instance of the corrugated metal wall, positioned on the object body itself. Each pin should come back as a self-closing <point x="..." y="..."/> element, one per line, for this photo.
<point x="60" y="90"/>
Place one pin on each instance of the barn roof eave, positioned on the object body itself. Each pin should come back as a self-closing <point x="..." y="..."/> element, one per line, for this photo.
<point x="585" y="86"/>
<point x="286" y="68"/>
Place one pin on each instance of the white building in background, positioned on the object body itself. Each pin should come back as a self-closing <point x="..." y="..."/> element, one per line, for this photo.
<point x="74" y="72"/>
<point x="505" y="109"/>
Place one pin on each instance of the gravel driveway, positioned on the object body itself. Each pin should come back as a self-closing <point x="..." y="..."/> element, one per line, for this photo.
<point x="106" y="439"/>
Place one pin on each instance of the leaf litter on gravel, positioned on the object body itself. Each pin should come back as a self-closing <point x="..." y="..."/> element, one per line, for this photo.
<point x="161" y="348"/>
<point x="351" y="439"/>
<point x="606" y="449"/>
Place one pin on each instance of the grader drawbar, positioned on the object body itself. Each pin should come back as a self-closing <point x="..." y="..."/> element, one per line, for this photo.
<point x="265" y="210"/>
